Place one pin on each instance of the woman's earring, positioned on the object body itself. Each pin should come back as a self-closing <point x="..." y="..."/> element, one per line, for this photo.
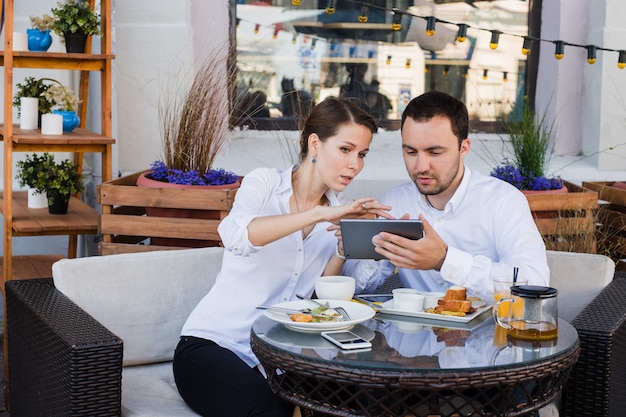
<point x="313" y="160"/>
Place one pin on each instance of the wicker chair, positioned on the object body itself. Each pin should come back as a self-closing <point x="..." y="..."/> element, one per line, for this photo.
<point x="62" y="362"/>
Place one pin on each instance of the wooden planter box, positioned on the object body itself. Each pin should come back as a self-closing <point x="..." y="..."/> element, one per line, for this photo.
<point x="125" y="227"/>
<point x="566" y="221"/>
<point x="612" y="216"/>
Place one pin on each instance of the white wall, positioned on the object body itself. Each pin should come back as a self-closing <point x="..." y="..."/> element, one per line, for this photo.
<point x="587" y="102"/>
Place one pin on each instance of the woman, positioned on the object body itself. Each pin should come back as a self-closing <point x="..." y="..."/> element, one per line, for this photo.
<point x="278" y="238"/>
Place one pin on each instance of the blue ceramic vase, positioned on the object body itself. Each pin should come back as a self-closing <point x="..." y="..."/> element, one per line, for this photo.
<point x="38" y="41"/>
<point x="70" y="120"/>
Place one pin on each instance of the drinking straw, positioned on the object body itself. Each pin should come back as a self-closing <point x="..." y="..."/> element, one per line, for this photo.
<point x="515" y="271"/>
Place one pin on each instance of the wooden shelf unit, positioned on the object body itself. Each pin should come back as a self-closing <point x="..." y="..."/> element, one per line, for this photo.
<point x="19" y="220"/>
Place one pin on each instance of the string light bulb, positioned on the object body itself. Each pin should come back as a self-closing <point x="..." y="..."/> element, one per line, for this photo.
<point x="396" y="24"/>
<point x="495" y="38"/>
<point x="331" y="6"/>
<point x="527" y="45"/>
<point x="461" y="35"/>
<point x="313" y="43"/>
<point x="364" y="13"/>
<point x="430" y="25"/>
<point x="407" y="64"/>
<point x="426" y="69"/>
<point x="559" y="49"/>
<point x="621" y="60"/>
<point x="591" y="53"/>
<point x="256" y="28"/>
<point x="465" y="72"/>
<point x="446" y="70"/>
<point x="505" y="76"/>
<point x="388" y="61"/>
<point x="276" y="30"/>
<point x="485" y="74"/>
<point x="296" y="2"/>
<point x="294" y="38"/>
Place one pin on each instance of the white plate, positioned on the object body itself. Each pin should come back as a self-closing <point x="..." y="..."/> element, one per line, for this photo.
<point x="388" y="308"/>
<point x="358" y="313"/>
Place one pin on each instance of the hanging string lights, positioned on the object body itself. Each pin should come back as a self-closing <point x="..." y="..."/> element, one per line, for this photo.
<point x="396" y="25"/>
<point x="430" y="25"/>
<point x="559" y="49"/>
<point x="461" y="35"/>
<point x="364" y="13"/>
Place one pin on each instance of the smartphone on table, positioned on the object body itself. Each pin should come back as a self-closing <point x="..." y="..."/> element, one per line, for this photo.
<point x="346" y="339"/>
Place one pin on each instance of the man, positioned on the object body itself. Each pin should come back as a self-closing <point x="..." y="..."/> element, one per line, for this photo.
<point x="476" y="227"/>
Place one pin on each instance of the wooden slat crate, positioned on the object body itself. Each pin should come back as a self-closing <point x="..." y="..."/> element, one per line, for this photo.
<point x="566" y="221"/>
<point x="124" y="225"/>
<point x="612" y="216"/>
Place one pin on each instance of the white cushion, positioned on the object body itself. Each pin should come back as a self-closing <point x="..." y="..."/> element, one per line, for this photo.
<point x="578" y="277"/>
<point x="144" y="298"/>
<point x="150" y="391"/>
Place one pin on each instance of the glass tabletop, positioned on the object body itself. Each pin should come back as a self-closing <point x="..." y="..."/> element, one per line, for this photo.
<point x="418" y="344"/>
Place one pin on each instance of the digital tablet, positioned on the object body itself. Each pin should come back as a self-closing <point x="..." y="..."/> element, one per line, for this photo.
<point x="357" y="234"/>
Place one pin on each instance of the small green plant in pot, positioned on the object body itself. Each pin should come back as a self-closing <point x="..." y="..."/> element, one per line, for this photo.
<point x="58" y="180"/>
<point x="32" y="87"/>
<point x="32" y="172"/>
<point x="74" y="22"/>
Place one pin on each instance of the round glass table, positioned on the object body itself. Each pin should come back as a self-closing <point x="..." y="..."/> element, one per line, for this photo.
<point x="417" y="367"/>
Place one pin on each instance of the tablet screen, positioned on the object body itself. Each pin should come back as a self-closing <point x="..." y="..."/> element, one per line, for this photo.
<point x="357" y="234"/>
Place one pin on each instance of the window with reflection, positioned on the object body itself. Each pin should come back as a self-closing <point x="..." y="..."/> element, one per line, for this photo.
<point x="292" y="54"/>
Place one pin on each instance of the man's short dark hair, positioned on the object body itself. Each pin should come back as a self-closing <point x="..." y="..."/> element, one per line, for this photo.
<point x="436" y="103"/>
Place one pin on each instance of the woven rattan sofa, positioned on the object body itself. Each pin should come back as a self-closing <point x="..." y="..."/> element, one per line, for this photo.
<point x="65" y="362"/>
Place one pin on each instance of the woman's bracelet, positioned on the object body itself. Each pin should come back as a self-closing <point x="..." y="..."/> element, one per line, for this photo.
<point x="340" y="256"/>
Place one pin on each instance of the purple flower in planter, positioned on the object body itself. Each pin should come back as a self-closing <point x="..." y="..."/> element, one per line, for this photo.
<point x="160" y="172"/>
<point x="518" y="177"/>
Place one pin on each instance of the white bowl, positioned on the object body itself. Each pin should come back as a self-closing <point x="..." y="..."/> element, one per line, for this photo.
<point x="335" y="287"/>
<point x="431" y="299"/>
<point x="407" y="299"/>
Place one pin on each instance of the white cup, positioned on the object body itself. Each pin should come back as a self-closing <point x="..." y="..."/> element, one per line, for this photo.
<point x="335" y="287"/>
<point x="431" y="299"/>
<point x="20" y="41"/>
<point x="29" y="113"/>
<point x="407" y="299"/>
<point x="51" y="124"/>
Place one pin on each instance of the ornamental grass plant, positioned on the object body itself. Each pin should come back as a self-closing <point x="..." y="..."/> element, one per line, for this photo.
<point x="197" y="123"/>
<point x="531" y="141"/>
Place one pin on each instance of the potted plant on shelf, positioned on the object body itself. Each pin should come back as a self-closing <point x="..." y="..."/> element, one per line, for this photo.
<point x="32" y="172"/>
<point x="59" y="181"/>
<point x="74" y="22"/>
<point x="33" y="88"/>
<point x="39" y="38"/>
<point x="64" y="102"/>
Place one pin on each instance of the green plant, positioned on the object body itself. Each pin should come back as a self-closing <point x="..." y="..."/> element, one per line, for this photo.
<point x="75" y="16"/>
<point x="58" y="180"/>
<point x="64" y="181"/>
<point x="34" y="171"/>
<point x="531" y="151"/>
<point x="32" y="87"/>
<point x="42" y="23"/>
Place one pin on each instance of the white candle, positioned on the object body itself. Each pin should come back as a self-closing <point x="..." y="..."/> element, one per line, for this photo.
<point x="20" y="41"/>
<point x="29" y="112"/>
<point x="51" y="124"/>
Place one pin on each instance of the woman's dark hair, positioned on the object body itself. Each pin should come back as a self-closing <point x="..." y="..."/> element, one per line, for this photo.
<point x="435" y="103"/>
<point x="327" y="116"/>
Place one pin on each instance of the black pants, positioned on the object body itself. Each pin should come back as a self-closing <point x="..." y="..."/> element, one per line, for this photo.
<point x="213" y="381"/>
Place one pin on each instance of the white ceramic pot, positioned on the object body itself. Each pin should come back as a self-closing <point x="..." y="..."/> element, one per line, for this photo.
<point x="37" y="200"/>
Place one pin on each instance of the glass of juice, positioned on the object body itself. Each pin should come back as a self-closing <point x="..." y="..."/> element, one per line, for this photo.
<point x="502" y="289"/>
